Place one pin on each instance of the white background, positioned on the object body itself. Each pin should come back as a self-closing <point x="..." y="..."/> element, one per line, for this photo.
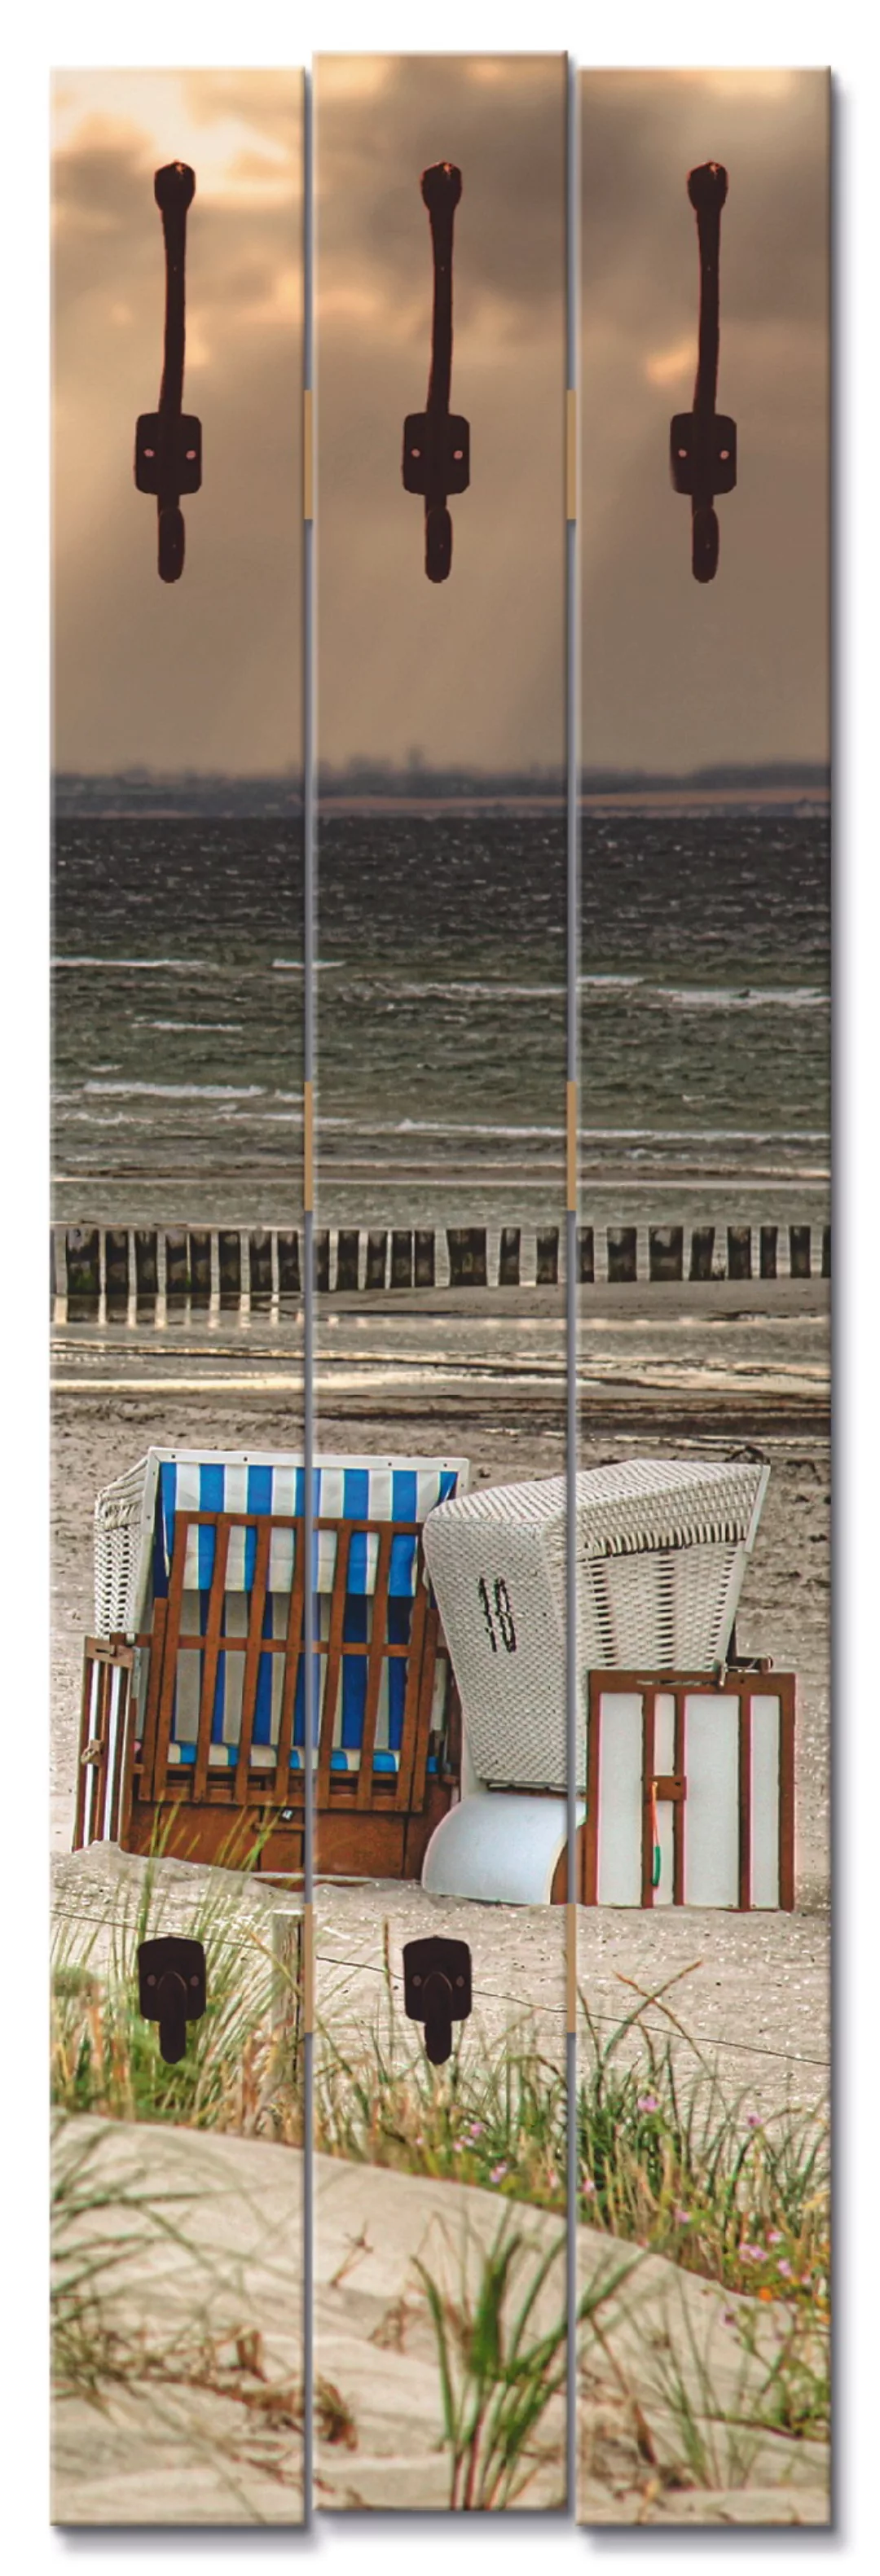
<point x="757" y="33"/>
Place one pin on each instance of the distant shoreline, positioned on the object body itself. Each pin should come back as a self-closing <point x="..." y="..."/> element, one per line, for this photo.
<point x="621" y="800"/>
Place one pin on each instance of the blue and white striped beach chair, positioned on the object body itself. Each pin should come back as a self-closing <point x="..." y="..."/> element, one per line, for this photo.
<point x="199" y="1571"/>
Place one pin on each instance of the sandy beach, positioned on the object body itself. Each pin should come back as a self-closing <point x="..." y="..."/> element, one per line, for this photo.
<point x="711" y="1376"/>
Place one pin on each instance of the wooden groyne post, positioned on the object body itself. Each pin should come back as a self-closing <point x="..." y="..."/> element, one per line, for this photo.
<point x="198" y="1264"/>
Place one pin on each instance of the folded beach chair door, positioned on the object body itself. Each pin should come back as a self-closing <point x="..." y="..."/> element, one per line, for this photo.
<point x="690" y="1753"/>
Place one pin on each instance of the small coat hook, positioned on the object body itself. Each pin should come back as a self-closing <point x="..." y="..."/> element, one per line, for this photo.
<point x="172" y="1990"/>
<point x="437" y="1990"/>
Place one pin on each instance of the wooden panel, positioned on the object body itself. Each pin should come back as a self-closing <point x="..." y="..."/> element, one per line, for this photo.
<point x="411" y="1702"/>
<point x="648" y="1709"/>
<point x="745" y="1804"/>
<point x="375" y="1662"/>
<point x="173" y="1613"/>
<point x="252" y="1655"/>
<point x="211" y="1647"/>
<point x="344" y="1532"/>
<point x="424" y="1707"/>
<point x="293" y="1648"/>
<point x="154" y="1649"/>
<point x="786" y="1790"/>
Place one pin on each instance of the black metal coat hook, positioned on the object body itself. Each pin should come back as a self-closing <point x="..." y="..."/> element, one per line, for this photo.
<point x="436" y="442"/>
<point x="168" y="442"/>
<point x="703" y="441"/>
<point x="437" y="1989"/>
<point x="172" y="1989"/>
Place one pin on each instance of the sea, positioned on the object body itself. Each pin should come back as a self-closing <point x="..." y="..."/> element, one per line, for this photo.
<point x="704" y="975"/>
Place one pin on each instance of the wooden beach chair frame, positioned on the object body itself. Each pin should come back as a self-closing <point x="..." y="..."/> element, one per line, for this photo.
<point x="368" y="1821"/>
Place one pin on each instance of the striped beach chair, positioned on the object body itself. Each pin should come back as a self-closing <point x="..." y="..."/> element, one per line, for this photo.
<point x="684" y="1758"/>
<point x="199" y="1614"/>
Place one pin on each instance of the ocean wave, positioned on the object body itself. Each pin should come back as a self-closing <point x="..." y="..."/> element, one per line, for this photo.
<point x="151" y="965"/>
<point x="723" y="997"/>
<point x="178" y="1090"/>
<point x="194" y="1028"/>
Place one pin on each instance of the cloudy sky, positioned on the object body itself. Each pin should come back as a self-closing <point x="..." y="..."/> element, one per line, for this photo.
<point x="471" y="670"/>
<point x="206" y="674"/>
<point x="674" y="673"/>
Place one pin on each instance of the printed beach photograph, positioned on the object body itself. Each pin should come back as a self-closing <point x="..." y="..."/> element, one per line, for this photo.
<point x="177" y="2217"/>
<point x="703" y="1945"/>
<point x="425" y="2004"/>
<point x="441" y="947"/>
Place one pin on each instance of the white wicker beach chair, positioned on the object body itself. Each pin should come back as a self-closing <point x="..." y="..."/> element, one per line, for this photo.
<point x="662" y="1548"/>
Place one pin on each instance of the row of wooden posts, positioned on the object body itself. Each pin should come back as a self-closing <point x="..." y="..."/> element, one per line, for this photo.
<point x="197" y="1262"/>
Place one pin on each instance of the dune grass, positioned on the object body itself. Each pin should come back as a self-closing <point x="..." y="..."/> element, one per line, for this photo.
<point x="242" y="2068"/>
<point x="666" y="2160"/>
<point x="667" y="2163"/>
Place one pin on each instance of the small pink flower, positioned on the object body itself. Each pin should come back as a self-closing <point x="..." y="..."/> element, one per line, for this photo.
<point x="785" y="2269"/>
<point x="753" y="2122"/>
<point x="648" y="2102"/>
<point x="752" y="2253"/>
<point x="774" y="2235"/>
<point x="682" y="2217"/>
<point x="477" y="2129"/>
<point x="588" y="2187"/>
<point x="458" y="2147"/>
<point x="498" y="2172"/>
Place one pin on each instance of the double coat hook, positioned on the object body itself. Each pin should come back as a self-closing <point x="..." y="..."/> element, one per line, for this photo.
<point x="436" y="442"/>
<point x="703" y="441"/>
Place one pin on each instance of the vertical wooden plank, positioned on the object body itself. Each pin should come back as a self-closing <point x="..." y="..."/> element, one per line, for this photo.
<point x="174" y="1606"/>
<point x="252" y="1658"/>
<point x="82" y="1768"/>
<point x="115" y="1746"/>
<point x="211" y="1651"/>
<point x="678" y="1811"/>
<point x="786" y="1792"/>
<point x="745" y="1796"/>
<point x="649" y="1713"/>
<point x="375" y="1660"/>
<point x="155" y="1645"/>
<point x="292" y="1652"/>
<point x="423" y="1712"/>
<point x="591" y="1834"/>
<point x="102" y="1732"/>
<point x="411" y="1702"/>
<point x="334" y="1657"/>
<point x="128" y="1753"/>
